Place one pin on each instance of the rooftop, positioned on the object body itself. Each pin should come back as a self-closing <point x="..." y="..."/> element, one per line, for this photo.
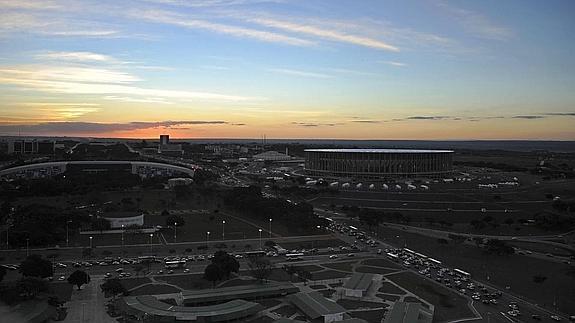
<point x="235" y="292"/>
<point x="314" y="305"/>
<point x="359" y="281"/>
<point x="150" y="305"/>
<point x="380" y="151"/>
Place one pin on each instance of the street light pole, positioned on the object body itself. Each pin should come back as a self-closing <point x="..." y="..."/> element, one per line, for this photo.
<point x="67" y="234"/>
<point x="175" y="232"/>
<point x="260" y="230"/>
<point x="27" y="249"/>
<point x="151" y="237"/>
<point x="223" y="229"/>
<point x="207" y="239"/>
<point x="91" y="242"/>
<point x="122" y="239"/>
<point x="270" y="230"/>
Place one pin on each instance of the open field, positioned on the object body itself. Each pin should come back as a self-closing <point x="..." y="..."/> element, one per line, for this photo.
<point x="448" y="304"/>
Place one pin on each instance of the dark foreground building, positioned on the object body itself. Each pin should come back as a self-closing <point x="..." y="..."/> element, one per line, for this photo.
<point x="378" y="163"/>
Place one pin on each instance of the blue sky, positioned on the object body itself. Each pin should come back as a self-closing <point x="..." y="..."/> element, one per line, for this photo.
<point x="429" y="69"/>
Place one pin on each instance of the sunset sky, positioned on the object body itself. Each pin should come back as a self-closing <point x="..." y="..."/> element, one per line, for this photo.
<point x="342" y="69"/>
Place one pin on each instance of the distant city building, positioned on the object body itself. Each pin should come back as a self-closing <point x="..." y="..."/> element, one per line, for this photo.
<point x="166" y="148"/>
<point x="164" y="139"/>
<point x="140" y="168"/>
<point x="271" y="156"/>
<point x="126" y="219"/>
<point x="29" y="147"/>
<point x="378" y="163"/>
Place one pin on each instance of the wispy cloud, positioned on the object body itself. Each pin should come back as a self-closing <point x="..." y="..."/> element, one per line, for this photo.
<point x="172" y="18"/>
<point x="99" y="81"/>
<point x="561" y="114"/>
<point x="321" y="32"/>
<point x="393" y="63"/>
<point x="66" y="128"/>
<point x="366" y="121"/>
<point x="299" y="73"/>
<point x="76" y="57"/>
<point x="474" y="22"/>
<point x="316" y="124"/>
<point x="529" y="117"/>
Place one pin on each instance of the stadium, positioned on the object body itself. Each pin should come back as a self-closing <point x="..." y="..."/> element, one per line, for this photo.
<point x="378" y="163"/>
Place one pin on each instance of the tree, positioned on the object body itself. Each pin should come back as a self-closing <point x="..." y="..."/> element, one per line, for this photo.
<point x="31" y="286"/>
<point x="226" y="263"/>
<point x="212" y="273"/>
<point x="442" y="241"/>
<point x="36" y="266"/>
<point x="290" y="270"/>
<point x="113" y="287"/>
<point x="79" y="278"/>
<point x="509" y="221"/>
<point x="304" y="275"/>
<point x="138" y="268"/>
<point x="260" y="267"/>
<point x="539" y="278"/>
<point x="498" y="247"/>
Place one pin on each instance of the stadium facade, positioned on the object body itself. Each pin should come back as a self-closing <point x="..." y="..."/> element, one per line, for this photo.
<point x="378" y="163"/>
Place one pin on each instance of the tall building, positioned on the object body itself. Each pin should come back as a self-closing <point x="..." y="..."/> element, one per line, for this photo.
<point x="28" y="147"/>
<point x="166" y="148"/>
<point x="164" y="139"/>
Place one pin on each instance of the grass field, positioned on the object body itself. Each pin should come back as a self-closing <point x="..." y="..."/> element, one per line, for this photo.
<point x="390" y="289"/>
<point x="186" y="281"/>
<point x="380" y="262"/>
<point x="154" y="290"/>
<point x="328" y="274"/>
<point x="448" y="304"/>
<point x="343" y="265"/>
<point x="130" y="283"/>
<point x="374" y="270"/>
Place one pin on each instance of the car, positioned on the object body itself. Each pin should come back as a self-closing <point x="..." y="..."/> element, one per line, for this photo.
<point x="160" y="272"/>
<point x="333" y="257"/>
<point x="187" y="270"/>
<point x="536" y="317"/>
<point x="61" y="278"/>
<point x="555" y="318"/>
<point x="350" y="254"/>
<point x="170" y="271"/>
<point x="108" y="275"/>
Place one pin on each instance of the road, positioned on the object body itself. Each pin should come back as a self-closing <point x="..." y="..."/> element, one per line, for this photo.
<point x="495" y="313"/>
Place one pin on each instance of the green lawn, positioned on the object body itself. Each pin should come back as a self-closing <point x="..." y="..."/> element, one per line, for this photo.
<point x="448" y="304"/>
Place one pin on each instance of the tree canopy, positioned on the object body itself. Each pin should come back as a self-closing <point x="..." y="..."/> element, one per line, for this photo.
<point x="113" y="287"/>
<point x="79" y="278"/>
<point x="36" y="266"/>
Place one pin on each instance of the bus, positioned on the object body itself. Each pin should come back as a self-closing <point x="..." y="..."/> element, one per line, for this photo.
<point x="420" y="255"/>
<point x="462" y="273"/>
<point x="434" y="261"/>
<point x="174" y="264"/>
<point x="294" y="256"/>
<point x="392" y="256"/>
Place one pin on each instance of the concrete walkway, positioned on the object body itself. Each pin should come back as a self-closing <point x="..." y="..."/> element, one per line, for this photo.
<point x="88" y="305"/>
